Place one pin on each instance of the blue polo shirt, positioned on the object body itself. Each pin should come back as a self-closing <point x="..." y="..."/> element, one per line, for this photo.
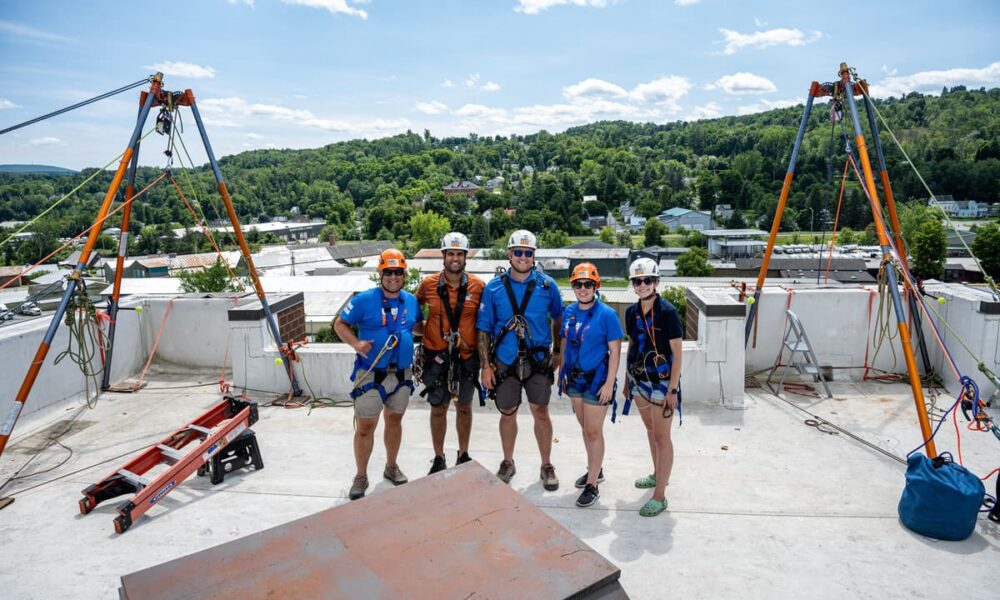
<point x="377" y="317"/>
<point x="595" y="328"/>
<point x="495" y="311"/>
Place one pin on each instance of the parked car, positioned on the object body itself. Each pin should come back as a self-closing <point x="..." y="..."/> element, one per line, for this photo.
<point x="6" y="315"/>
<point x="30" y="309"/>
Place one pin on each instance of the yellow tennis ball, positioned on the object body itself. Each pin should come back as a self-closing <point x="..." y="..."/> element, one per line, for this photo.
<point x="942" y="300"/>
<point x="750" y="300"/>
<point x="138" y="309"/>
<point x="278" y="362"/>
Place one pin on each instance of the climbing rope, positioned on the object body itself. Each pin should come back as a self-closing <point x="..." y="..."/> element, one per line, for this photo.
<point x="55" y="113"/>
<point x="83" y="344"/>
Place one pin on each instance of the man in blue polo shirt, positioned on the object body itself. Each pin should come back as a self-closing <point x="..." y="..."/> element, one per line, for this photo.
<point x="386" y="318"/>
<point x="519" y="316"/>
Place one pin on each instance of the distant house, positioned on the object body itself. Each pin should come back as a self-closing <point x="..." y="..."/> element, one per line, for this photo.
<point x="963" y="209"/>
<point x="626" y="210"/>
<point x="596" y="223"/>
<point x="495" y="185"/>
<point x="735" y="243"/>
<point x="528" y="169"/>
<point x="466" y="188"/>
<point x="636" y="223"/>
<point x="723" y="212"/>
<point x="552" y="169"/>
<point x="590" y="198"/>
<point x="677" y="218"/>
<point x="958" y="240"/>
<point x="8" y="274"/>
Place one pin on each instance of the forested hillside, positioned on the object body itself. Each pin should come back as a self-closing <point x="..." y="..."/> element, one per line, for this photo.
<point x="954" y="139"/>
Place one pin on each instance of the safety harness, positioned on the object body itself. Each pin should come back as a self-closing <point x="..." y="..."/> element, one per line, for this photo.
<point x="446" y="367"/>
<point x="531" y="359"/>
<point x="649" y="370"/>
<point x="571" y="375"/>
<point x="391" y="321"/>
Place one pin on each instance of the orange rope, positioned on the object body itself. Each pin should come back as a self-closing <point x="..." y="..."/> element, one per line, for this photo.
<point x="84" y="232"/>
<point x="205" y="231"/>
<point x="836" y="220"/>
<point x="152" y="352"/>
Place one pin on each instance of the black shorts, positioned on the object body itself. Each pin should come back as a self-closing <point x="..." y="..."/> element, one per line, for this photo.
<point x="435" y="375"/>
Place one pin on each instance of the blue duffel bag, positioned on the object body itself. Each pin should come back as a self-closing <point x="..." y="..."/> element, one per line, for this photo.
<point x="941" y="499"/>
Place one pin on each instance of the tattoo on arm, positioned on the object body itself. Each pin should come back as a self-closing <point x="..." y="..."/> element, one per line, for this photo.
<point x="484" y="348"/>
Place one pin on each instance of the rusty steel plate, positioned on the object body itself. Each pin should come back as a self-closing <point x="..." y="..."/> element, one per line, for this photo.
<point x="460" y="533"/>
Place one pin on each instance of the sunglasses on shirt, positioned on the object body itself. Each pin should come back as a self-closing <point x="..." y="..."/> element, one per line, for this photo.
<point x="583" y="284"/>
<point x="637" y="281"/>
<point x="394" y="272"/>
<point x="524" y="253"/>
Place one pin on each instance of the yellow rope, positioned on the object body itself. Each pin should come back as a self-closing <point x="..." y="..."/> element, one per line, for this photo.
<point x="68" y="194"/>
<point x="986" y="276"/>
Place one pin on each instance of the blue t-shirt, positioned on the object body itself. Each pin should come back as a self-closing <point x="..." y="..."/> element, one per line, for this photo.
<point x="495" y="311"/>
<point x="595" y="328"/>
<point x="377" y="317"/>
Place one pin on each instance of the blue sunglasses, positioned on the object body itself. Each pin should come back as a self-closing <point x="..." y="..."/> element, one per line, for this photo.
<point x="525" y="253"/>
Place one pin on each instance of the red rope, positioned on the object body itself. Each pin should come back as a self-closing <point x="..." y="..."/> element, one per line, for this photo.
<point x="836" y="220"/>
<point x="204" y="230"/>
<point x="152" y="352"/>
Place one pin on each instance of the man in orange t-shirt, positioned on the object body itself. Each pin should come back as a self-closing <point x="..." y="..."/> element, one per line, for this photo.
<point x="451" y="359"/>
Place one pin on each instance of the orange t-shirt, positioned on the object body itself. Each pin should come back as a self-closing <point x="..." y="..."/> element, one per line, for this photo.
<point x="427" y="294"/>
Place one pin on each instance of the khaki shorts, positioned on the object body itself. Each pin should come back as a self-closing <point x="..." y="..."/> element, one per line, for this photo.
<point x="538" y="389"/>
<point x="369" y="404"/>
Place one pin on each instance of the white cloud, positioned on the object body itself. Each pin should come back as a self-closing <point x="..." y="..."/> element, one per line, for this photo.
<point x="760" y="22"/>
<point x="889" y="72"/>
<point x="590" y="89"/>
<point x="480" y="112"/>
<point x="705" y="111"/>
<point x="247" y="2"/>
<point x="471" y="80"/>
<point x="30" y="33"/>
<point x="334" y="6"/>
<point x="686" y="2"/>
<point x="490" y="86"/>
<point x="743" y="83"/>
<point x="447" y="83"/>
<point x="665" y="91"/>
<point x="933" y="81"/>
<point x="182" y="69"/>
<point x="533" y="7"/>
<point x="765" y="104"/>
<point x="47" y="141"/>
<point x="432" y="108"/>
<point x="255" y="136"/>
<point x="5" y="103"/>
<point x="236" y="112"/>
<point x="736" y="41"/>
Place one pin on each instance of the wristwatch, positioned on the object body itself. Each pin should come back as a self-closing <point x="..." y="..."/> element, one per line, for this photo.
<point x="675" y="390"/>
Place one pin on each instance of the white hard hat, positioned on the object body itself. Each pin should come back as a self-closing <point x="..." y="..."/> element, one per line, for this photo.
<point x="644" y="267"/>
<point x="455" y="241"/>
<point x="522" y="238"/>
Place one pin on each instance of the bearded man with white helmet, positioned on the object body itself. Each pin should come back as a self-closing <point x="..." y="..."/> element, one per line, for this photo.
<point x="519" y="317"/>
<point x="450" y="360"/>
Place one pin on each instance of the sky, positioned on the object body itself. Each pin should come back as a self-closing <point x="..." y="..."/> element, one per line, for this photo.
<point x="306" y="73"/>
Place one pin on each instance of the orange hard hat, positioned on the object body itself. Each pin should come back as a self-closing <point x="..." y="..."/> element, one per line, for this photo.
<point x="391" y="259"/>
<point x="585" y="270"/>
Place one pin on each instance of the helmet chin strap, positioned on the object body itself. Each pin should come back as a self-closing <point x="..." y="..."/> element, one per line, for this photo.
<point x="649" y="297"/>
<point x="587" y="303"/>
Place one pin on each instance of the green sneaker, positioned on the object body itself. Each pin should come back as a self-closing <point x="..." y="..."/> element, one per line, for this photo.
<point x="646" y="482"/>
<point x="653" y="508"/>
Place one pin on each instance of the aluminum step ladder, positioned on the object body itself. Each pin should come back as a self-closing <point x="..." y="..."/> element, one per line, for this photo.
<point x="800" y="357"/>
<point x="218" y="440"/>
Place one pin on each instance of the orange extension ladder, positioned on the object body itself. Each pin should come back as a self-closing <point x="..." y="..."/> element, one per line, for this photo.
<point x="217" y="441"/>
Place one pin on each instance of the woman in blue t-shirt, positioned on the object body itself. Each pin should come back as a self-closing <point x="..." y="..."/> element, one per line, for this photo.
<point x="593" y="346"/>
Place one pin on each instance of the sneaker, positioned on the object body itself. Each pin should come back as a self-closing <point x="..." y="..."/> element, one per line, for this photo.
<point x="589" y="496"/>
<point x="463" y="457"/>
<point x="581" y="482"/>
<point x="549" y="480"/>
<point x="359" y="487"/>
<point x="440" y="464"/>
<point x="646" y="482"/>
<point x="506" y="471"/>
<point x="394" y="475"/>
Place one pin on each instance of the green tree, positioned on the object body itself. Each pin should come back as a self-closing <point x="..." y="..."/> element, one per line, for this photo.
<point x="846" y="236"/>
<point x="427" y="229"/>
<point x="736" y="220"/>
<point x="607" y="235"/>
<point x="677" y="296"/>
<point x="624" y="239"/>
<point x="652" y="235"/>
<point x="553" y="239"/>
<point x="928" y="249"/>
<point x="210" y="280"/>
<point x="696" y="239"/>
<point x="987" y="249"/>
<point x="694" y="263"/>
<point x="912" y="215"/>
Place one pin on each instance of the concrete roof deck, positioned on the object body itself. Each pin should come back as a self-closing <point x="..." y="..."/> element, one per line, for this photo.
<point x="761" y="505"/>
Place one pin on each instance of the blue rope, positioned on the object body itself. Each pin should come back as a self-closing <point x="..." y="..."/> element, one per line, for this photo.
<point x="967" y="385"/>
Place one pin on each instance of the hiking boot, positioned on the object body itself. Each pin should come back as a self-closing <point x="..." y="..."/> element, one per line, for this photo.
<point x="581" y="482"/>
<point x="549" y="480"/>
<point x="589" y="496"/>
<point x="359" y="487"/>
<point x="506" y="471"/>
<point x="393" y="474"/>
<point x="440" y="464"/>
<point x="463" y="457"/>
